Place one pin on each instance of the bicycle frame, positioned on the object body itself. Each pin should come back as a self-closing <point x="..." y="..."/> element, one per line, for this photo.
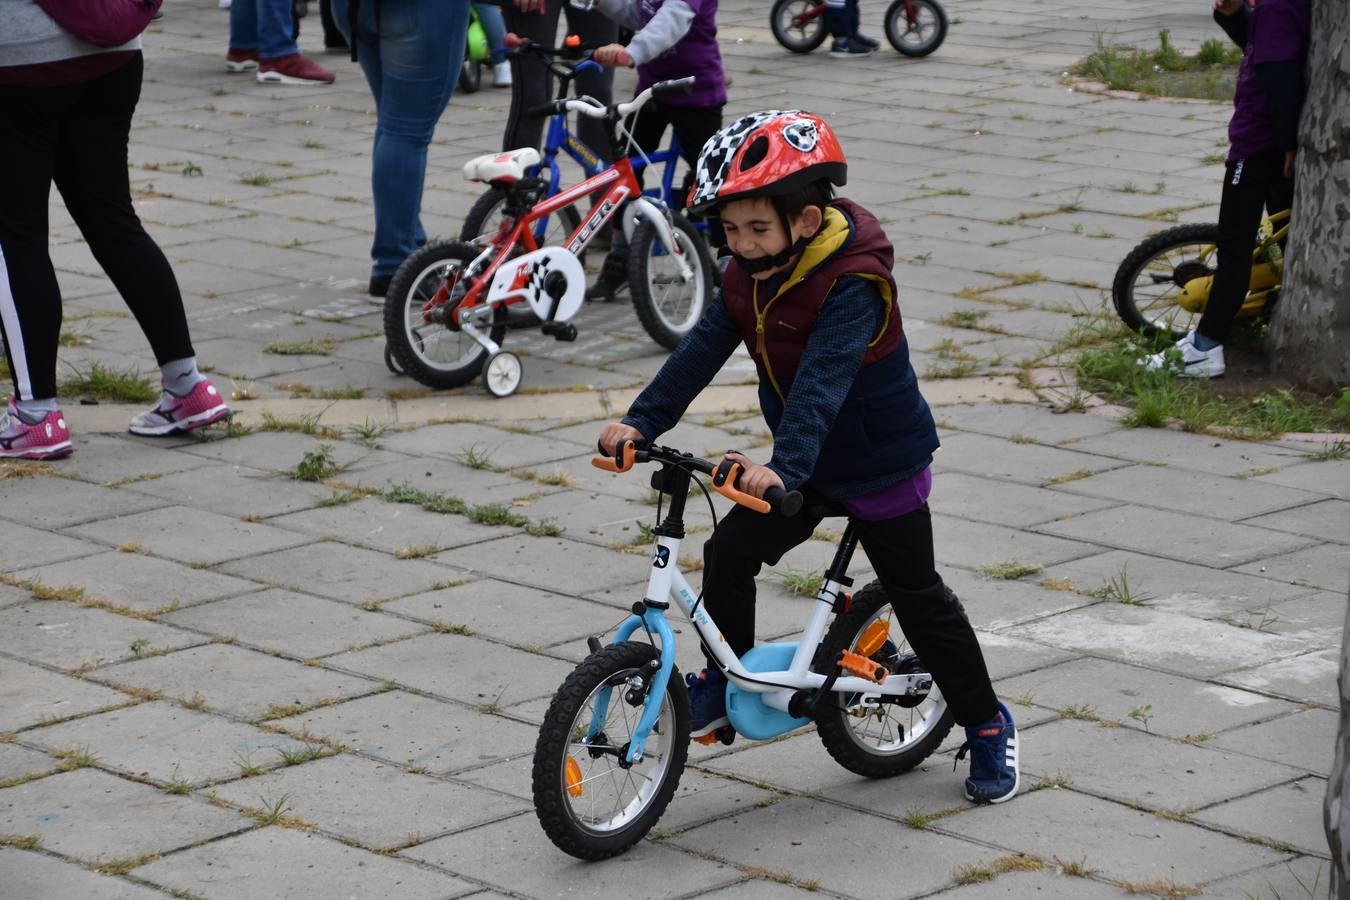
<point x="1267" y="271"/>
<point x="818" y="9"/>
<point x="775" y="687"/>
<point x="561" y="140"/>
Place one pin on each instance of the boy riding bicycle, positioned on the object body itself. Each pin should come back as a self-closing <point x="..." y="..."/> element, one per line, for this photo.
<point x="809" y="291"/>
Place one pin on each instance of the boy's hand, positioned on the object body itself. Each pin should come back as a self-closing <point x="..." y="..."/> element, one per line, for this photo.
<point x="1228" y="7"/>
<point x="614" y="432"/>
<point x="612" y="55"/>
<point x="755" y="479"/>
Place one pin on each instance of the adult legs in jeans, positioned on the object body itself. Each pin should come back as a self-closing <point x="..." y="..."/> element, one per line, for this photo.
<point x="76" y="135"/>
<point x="267" y="26"/>
<point x="1249" y="184"/>
<point x="411" y="65"/>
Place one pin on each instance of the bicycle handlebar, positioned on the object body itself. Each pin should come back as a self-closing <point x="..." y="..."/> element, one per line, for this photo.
<point x="725" y="474"/>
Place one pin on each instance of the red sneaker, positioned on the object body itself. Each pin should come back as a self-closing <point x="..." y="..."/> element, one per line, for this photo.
<point x="293" y="69"/>
<point x="48" y="439"/>
<point x="241" y="60"/>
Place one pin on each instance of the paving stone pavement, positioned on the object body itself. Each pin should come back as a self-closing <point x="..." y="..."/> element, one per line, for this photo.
<point x="220" y="680"/>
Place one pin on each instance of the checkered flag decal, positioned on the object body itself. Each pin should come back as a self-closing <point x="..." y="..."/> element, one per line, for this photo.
<point x="714" y="162"/>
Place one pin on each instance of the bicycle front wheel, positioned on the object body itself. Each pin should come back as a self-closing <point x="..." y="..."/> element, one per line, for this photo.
<point x="588" y="802"/>
<point x="430" y="351"/>
<point x="921" y="38"/>
<point x="1148" y="285"/>
<point x="667" y="305"/>
<point x="799" y="38"/>
<point x="892" y="737"/>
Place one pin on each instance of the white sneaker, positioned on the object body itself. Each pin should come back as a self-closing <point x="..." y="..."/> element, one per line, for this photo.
<point x="1194" y="363"/>
<point x="501" y="74"/>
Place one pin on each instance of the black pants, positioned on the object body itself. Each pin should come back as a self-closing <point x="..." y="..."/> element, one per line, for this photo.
<point x="75" y="135"/>
<point x="1249" y="185"/>
<point x="532" y="83"/>
<point x="693" y="126"/>
<point x="901" y="552"/>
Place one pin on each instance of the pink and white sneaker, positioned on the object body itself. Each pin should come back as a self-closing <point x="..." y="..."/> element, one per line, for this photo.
<point x="48" y="439"/>
<point x="197" y="410"/>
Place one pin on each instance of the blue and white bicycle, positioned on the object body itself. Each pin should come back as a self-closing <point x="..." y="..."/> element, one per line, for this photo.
<point x="616" y="734"/>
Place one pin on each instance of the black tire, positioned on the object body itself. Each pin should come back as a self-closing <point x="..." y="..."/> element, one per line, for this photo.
<point x="1149" y="281"/>
<point x="470" y="76"/>
<point x="930" y="28"/>
<point x="569" y="718"/>
<point x="798" y="40"/>
<point x="667" y="306"/>
<point x="486" y="214"/>
<point x="846" y="729"/>
<point x="431" y="353"/>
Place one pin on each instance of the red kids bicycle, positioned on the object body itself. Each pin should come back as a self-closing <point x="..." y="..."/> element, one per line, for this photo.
<point x="914" y="27"/>
<point x="450" y="304"/>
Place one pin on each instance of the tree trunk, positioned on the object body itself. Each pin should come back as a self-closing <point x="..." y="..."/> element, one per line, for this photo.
<point x="1336" y="806"/>
<point x="1309" y="337"/>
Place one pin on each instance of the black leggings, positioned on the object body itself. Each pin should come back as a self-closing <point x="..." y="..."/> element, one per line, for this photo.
<point x="532" y="83"/>
<point x="75" y="135"/>
<point x="1249" y="185"/>
<point x="901" y="552"/>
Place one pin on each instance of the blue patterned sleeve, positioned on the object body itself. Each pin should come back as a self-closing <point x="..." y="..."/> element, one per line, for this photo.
<point x="848" y="321"/>
<point x="687" y="371"/>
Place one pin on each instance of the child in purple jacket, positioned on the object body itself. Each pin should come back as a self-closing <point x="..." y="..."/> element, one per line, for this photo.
<point x="672" y="39"/>
<point x="1263" y="140"/>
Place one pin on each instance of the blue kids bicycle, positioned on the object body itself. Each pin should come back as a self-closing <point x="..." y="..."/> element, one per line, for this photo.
<point x="616" y="734"/>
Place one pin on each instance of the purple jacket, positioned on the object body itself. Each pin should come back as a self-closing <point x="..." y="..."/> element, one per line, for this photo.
<point x="674" y="39"/>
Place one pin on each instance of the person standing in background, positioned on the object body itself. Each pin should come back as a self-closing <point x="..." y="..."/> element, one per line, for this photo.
<point x="262" y="40"/>
<point x="411" y="52"/>
<point x="65" y="117"/>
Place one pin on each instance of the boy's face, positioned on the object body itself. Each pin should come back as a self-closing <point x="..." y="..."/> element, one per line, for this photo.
<point x="754" y="230"/>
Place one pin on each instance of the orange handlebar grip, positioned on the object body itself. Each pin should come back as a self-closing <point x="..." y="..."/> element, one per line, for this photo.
<point x="622" y="461"/>
<point x="727" y="490"/>
<point x="572" y="40"/>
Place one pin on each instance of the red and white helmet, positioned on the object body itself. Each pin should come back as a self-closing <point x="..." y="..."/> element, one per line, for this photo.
<point x="766" y="154"/>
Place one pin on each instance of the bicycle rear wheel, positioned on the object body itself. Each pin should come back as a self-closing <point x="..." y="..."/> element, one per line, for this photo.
<point x="801" y="38"/>
<point x="1148" y="285"/>
<point x="892" y="737"/>
<point x="927" y="33"/>
<point x="430" y="351"/>
<point x="590" y="804"/>
<point x="485" y="218"/>
<point x="667" y="305"/>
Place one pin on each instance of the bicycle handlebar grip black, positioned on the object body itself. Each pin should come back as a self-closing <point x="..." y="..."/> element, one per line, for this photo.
<point x="786" y="503"/>
<point x="544" y="109"/>
<point x="675" y="86"/>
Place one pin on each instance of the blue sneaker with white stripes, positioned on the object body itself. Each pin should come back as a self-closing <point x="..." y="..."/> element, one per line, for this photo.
<point x="994" y="773"/>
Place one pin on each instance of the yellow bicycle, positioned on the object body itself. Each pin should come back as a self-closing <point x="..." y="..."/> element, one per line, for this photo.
<point x="1162" y="286"/>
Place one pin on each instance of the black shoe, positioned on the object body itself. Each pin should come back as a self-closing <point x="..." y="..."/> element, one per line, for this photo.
<point x="865" y="41"/>
<point x="379" y="285"/>
<point x="613" y="276"/>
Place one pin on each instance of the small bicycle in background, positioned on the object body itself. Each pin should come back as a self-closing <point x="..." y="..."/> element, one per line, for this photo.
<point x="914" y="28"/>
<point x="1162" y="286"/>
<point x="449" y="304"/>
<point x="616" y="734"/>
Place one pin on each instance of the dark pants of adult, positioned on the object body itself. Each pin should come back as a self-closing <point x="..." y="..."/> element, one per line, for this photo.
<point x="532" y="84"/>
<point x="901" y="553"/>
<point x="1249" y="185"/>
<point x="75" y="135"/>
<point x="332" y="36"/>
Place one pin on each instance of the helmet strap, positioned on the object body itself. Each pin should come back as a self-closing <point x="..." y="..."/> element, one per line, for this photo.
<point x="765" y="263"/>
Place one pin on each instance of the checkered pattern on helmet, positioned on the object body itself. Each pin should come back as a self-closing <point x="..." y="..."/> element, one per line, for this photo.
<point x="714" y="162"/>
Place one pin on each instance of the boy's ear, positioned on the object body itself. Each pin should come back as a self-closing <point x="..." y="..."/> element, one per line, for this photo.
<point x="810" y="220"/>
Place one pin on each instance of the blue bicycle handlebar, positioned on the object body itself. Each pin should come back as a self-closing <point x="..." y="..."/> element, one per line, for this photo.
<point x="587" y="65"/>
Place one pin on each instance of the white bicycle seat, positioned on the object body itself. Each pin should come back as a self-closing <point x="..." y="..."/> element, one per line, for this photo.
<point x="509" y="166"/>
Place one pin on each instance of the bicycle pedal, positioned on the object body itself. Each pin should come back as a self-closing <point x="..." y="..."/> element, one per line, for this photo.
<point x="562" y="331"/>
<point x="861" y="666"/>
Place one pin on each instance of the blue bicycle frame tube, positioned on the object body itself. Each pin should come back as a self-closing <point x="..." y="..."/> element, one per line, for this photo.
<point x="653" y="620"/>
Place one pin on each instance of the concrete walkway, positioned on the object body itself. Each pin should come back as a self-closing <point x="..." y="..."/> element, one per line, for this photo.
<point x="219" y="679"/>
